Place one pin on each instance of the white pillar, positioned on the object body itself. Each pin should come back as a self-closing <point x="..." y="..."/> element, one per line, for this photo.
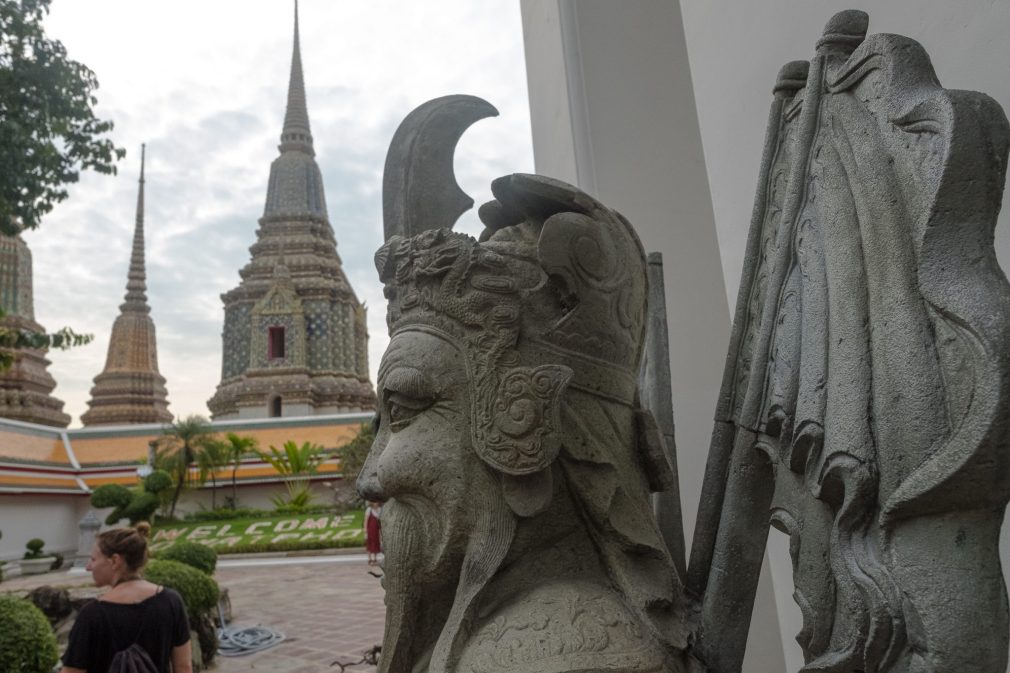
<point x="613" y="111"/>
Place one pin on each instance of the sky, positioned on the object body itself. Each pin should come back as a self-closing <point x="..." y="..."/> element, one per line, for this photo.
<point x="204" y="84"/>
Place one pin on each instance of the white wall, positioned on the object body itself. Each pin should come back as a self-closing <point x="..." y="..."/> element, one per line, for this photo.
<point x="53" y="518"/>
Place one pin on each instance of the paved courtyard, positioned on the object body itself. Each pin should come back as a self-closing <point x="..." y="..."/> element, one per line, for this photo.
<point x="328" y="607"/>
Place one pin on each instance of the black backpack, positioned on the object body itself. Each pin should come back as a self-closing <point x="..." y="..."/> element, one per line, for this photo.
<point x="134" y="659"/>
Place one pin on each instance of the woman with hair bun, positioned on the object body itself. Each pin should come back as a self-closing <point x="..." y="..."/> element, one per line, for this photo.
<point x="132" y="611"/>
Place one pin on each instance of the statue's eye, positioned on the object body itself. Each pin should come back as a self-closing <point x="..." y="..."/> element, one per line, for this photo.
<point x="403" y="408"/>
<point x="406" y="393"/>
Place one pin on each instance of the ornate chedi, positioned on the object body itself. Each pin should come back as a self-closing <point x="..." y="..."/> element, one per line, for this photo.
<point x="26" y="386"/>
<point x="865" y="410"/>
<point x="294" y="340"/>
<point x="130" y="389"/>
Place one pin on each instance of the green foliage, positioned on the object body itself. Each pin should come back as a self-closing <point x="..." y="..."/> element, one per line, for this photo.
<point x="12" y="338"/>
<point x="295" y="460"/>
<point x="211" y="456"/>
<point x="57" y="561"/>
<point x="111" y="495"/>
<point x="296" y="463"/>
<point x="27" y="643"/>
<point x="158" y="482"/>
<point x="142" y="507"/>
<point x="353" y="454"/>
<point x="199" y="556"/>
<point x="49" y="132"/>
<point x="295" y="545"/>
<point x="137" y="504"/>
<point x="34" y="547"/>
<point x="297" y="500"/>
<point x="227" y="514"/>
<point x="199" y="592"/>
<point x="238" y="446"/>
<point x="177" y="449"/>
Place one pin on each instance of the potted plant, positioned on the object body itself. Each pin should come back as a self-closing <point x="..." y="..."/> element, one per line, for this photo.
<point x="36" y="561"/>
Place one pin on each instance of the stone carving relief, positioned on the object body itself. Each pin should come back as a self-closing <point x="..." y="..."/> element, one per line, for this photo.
<point x="864" y="412"/>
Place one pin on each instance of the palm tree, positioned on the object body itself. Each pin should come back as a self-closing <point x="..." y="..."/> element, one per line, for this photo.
<point x="177" y="449"/>
<point x="210" y="456"/>
<point x="296" y="464"/>
<point x="237" y="447"/>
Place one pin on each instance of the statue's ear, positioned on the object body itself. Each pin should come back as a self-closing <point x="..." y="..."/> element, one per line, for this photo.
<point x="517" y="428"/>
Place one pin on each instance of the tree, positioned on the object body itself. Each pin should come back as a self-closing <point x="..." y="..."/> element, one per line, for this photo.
<point x="12" y="339"/>
<point x="177" y="449"/>
<point x="238" y="446"/>
<point x="48" y="129"/>
<point x="212" y="455"/>
<point x="352" y="458"/>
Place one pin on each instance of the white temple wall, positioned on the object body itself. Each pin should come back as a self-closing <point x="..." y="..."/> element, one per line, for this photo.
<point x="53" y="518"/>
<point x="659" y="109"/>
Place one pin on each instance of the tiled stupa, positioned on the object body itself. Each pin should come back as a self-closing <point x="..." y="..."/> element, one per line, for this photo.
<point x="294" y="340"/>
<point x="26" y="386"/>
<point x="130" y="389"/>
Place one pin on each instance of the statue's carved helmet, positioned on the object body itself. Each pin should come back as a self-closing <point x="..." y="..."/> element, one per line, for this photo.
<point x="552" y="296"/>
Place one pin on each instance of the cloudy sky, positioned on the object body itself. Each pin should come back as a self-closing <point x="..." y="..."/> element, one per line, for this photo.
<point x="204" y="85"/>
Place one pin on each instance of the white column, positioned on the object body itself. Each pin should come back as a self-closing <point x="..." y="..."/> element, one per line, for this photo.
<point x="613" y="111"/>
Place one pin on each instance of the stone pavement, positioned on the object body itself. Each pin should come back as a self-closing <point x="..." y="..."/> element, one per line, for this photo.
<point x="328" y="607"/>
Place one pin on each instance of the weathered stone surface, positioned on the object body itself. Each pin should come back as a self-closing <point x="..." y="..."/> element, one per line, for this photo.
<point x="512" y="452"/>
<point x="865" y="407"/>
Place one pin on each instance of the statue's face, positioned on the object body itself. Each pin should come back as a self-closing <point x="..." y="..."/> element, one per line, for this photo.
<point x="421" y="463"/>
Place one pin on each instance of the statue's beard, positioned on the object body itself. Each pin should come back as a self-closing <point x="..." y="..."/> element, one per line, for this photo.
<point x="433" y="574"/>
<point x="418" y="595"/>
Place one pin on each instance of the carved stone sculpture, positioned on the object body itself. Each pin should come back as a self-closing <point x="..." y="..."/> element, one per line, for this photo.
<point x="865" y="408"/>
<point x="865" y="405"/>
<point x="515" y="460"/>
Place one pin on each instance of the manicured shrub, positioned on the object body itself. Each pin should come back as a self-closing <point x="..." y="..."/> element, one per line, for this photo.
<point x="35" y="546"/>
<point x="141" y="508"/>
<point x="27" y="643"/>
<point x="157" y="482"/>
<point x="199" y="556"/>
<point x="199" y="592"/>
<point x="111" y="495"/>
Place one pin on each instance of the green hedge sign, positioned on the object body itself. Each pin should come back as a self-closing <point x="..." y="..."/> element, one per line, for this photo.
<point x="306" y="531"/>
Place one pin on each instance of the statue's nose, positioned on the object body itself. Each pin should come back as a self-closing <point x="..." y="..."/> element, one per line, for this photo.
<point x="367" y="483"/>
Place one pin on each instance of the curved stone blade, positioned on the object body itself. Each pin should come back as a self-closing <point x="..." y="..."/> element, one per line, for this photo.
<point x="419" y="189"/>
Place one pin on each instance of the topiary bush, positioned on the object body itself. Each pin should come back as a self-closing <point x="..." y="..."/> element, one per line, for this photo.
<point x="136" y="505"/>
<point x="27" y="643"/>
<point x="157" y="482"/>
<point x="199" y="592"/>
<point x="34" y="547"/>
<point x="199" y="556"/>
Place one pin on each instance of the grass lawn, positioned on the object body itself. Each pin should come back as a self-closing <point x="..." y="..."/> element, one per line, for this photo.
<point x="284" y="532"/>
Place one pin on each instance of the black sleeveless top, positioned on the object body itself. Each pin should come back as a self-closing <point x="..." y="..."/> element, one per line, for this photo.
<point x="157" y="623"/>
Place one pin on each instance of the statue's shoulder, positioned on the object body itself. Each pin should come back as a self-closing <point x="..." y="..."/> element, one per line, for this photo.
<point x="561" y="627"/>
